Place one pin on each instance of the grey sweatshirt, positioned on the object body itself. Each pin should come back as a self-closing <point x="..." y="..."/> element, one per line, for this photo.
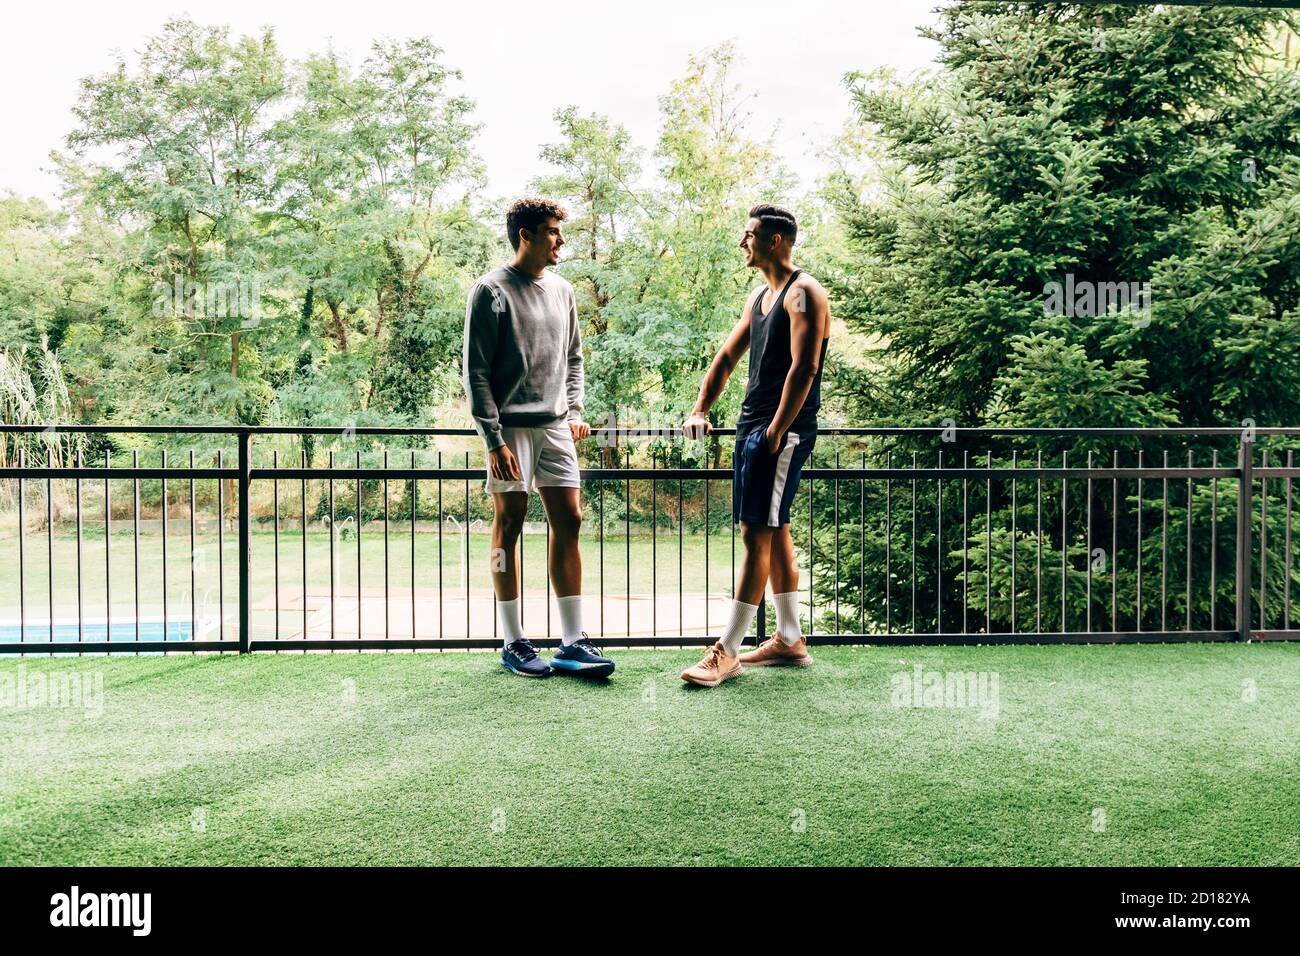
<point x="523" y="352"/>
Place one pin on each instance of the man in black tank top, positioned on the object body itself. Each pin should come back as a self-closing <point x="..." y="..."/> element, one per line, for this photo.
<point x="785" y="327"/>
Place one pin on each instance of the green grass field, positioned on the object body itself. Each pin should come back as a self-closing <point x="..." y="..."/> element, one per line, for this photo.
<point x="1160" y="755"/>
<point x="653" y="564"/>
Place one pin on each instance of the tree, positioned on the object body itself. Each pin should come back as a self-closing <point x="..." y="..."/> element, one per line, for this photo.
<point x="661" y="278"/>
<point x="714" y="171"/>
<point x="368" y="217"/>
<point x="597" y="173"/>
<point x="1112" y="144"/>
<point x="32" y="265"/>
<point x="189" y="126"/>
<point x="1097" y="150"/>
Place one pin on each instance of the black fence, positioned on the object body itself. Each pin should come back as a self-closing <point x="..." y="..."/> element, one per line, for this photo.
<point x="221" y="538"/>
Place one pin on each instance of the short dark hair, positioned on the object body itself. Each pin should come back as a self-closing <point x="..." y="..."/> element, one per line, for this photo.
<point x="529" y="213"/>
<point x="776" y="219"/>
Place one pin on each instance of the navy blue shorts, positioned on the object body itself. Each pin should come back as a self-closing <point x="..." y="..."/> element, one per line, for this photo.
<point x="763" y="483"/>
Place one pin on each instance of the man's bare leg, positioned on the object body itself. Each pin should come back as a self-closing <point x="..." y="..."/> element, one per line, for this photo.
<point x="787" y="646"/>
<point x="756" y="565"/>
<point x="564" y="512"/>
<point x="577" y="655"/>
<point x="508" y="511"/>
<point x="784" y="566"/>
<point x="785" y="586"/>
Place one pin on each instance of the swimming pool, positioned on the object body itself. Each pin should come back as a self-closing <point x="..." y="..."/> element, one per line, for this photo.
<point x="124" y="630"/>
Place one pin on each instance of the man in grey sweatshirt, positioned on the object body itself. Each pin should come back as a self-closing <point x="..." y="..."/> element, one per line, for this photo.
<point x="523" y="375"/>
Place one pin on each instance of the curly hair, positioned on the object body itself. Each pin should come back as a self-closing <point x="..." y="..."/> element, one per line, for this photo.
<point x="529" y="213"/>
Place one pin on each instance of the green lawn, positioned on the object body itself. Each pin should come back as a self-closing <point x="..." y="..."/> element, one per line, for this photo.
<point x="655" y="561"/>
<point x="1161" y="755"/>
<point x="654" y="564"/>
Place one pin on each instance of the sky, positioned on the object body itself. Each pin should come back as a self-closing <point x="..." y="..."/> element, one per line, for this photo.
<point x="520" y="62"/>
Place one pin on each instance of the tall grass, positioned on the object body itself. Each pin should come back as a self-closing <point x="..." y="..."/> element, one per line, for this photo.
<point x="33" y="392"/>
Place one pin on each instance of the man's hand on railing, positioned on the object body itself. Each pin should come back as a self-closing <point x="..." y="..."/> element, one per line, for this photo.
<point x="579" y="429"/>
<point x="697" y="426"/>
<point x="504" y="464"/>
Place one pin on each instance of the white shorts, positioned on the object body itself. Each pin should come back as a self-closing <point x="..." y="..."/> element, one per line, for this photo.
<point x="547" y="458"/>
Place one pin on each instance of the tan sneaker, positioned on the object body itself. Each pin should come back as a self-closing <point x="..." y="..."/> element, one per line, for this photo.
<point x="776" y="652"/>
<point x="716" y="667"/>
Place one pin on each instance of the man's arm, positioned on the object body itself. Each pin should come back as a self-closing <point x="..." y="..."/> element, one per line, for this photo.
<point x="481" y="333"/>
<point x="809" y="311"/>
<point x="715" y="380"/>
<point x="575" y="383"/>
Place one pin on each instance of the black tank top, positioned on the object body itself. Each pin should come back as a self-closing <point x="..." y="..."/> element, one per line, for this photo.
<point x="769" y="364"/>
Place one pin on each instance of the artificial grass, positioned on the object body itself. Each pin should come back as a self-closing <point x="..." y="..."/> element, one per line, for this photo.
<point x="1158" y="754"/>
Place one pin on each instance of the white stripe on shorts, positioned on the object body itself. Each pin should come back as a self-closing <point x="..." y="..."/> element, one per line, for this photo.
<point x="782" y="473"/>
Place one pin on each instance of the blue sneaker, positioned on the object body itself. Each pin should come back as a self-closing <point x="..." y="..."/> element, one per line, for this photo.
<point x="582" y="657"/>
<point x="520" y="657"/>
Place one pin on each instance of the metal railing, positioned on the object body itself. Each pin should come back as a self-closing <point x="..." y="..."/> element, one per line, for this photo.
<point x="909" y="535"/>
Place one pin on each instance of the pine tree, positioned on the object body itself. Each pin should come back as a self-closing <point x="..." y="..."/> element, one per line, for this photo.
<point x="1086" y="146"/>
<point x="1085" y="218"/>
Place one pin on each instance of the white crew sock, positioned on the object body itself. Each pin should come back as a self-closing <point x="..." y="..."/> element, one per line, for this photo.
<point x="787" y="617"/>
<point x="570" y="618"/>
<point x="742" y="615"/>
<point x="508" y="619"/>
